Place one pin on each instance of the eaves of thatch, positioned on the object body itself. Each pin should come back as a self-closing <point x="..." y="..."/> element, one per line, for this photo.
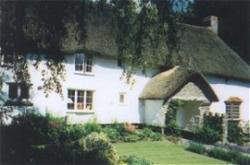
<point x="166" y="84"/>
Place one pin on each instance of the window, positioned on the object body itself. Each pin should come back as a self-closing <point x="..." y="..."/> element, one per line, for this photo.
<point x="18" y="91"/>
<point x="122" y="98"/>
<point x="233" y="108"/>
<point x="6" y="59"/>
<point x="83" y="63"/>
<point x="80" y="99"/>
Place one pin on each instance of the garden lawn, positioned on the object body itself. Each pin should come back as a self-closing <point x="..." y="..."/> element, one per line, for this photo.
<point x="164" y="152"/>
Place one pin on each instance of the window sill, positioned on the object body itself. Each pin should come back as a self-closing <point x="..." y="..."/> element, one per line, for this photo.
<point x="233" y="119"/>
<point x="85" y="73"/>
<point x="123" y="104"/>
<point x="81" y="111"/>
<point x="18" y="102"/>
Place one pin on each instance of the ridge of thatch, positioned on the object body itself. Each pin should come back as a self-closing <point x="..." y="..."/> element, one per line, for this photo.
<point x="164" y="85"/>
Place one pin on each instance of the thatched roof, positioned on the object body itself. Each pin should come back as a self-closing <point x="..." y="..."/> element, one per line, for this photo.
<point x="203" y="51"/>
<point x="168" y="83"/>
<point x="199" y="49"/>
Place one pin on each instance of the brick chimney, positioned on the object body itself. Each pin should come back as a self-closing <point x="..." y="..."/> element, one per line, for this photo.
<point x="212" y="23"/>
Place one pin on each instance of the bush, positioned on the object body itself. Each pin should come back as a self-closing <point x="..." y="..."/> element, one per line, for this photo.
<point x="133" y="160"/>
<point x="131" y="138"/>
<point x="233" y="156"/>
<point x="197" y="148"/>
<point x="221" y="154"/>
<point x="92" y="126"/>
<point x="235" y="132"/>
<point x="242" y="159"/>
<point x="214" y="122"/>
<point x="206" y="135"/>
<point x="148" y="134"/>
<point x="17" y="138"/>
<point x="98" y="149"/>
<point x="172" y="129"/>
<point x="112" y="134"/>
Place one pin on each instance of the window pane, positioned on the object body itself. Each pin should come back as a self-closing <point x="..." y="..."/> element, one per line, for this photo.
<point x="233" y="111"/>
<point x="13" y="90"/>
<point x="80" y="99"/>
<point x="88" y="63"/>
<point x="71" y="96"/>
<point x="121" y="98"/>
<point x="24" y="91"/>
<point x="89" y="100"/>
<point x="79" y="62"/>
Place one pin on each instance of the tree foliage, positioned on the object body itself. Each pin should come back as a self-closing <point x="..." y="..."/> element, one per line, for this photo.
<point x="57" y="28"/>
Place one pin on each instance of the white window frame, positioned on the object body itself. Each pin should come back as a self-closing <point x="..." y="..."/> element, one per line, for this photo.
<point x="85" y="64"/>
<point x="231" y="106"/>
<point x="85" y="109"/>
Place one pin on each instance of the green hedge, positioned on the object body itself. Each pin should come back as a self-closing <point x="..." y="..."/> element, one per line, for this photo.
<point x="219" y="153"/>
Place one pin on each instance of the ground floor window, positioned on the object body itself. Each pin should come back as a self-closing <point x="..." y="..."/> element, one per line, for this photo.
<point x="80" y="99"/>
<point x="19" y="91"/>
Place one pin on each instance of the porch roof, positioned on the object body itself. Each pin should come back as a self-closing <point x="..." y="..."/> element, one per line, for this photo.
<point x="166" y="84"/>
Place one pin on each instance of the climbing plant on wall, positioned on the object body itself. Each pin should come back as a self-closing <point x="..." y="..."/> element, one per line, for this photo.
<point x="170" y="117"/>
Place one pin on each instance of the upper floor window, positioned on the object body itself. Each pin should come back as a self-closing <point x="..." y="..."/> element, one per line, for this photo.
<point x="83" y="63"/>
<point x="80" y="99"/>
<point x="19" y="91"/>
<point x="233" y="108"/>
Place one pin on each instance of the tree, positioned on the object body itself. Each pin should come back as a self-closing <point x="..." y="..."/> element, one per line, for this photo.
<point x="49" y="26"/>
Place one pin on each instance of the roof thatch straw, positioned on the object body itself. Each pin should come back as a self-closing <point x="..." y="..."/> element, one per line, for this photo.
<point x="168" y="83"/>
<point x="199" y="49"/>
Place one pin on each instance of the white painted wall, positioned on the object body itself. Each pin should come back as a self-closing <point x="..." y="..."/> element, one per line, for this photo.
<point x="154" y="114"/>
<point x="226" y="88"/>
<point x="106" y="84"/>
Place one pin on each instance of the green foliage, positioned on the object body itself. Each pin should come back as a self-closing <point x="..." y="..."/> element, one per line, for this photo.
<point x="170" y="118"/>
<point x="133" y="160"/>
<point x="92" y="126"/>
<point x="235" y="132"/>
<point x="211" y="130"/>
<point x="219" y="153"/>
<point x="98" y="149"/>
<point x="206" y="135"/>
<point x="232" y="156"/>
<point x="197" y="148"/>
<point x="131" y="138"/>
<point x="56" y="29"/>
<point x="116" y="132"/>
<point x="214" y="122"/>
<point x="148" y="134"/>
<point x="32" y="138"/>
<point x="113" y="134"/>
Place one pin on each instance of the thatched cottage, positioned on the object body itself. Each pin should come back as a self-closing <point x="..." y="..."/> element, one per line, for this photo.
<point x="211" y="77"/>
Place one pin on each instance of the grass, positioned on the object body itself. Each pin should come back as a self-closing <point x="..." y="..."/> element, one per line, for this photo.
<point x="164" y="152"/>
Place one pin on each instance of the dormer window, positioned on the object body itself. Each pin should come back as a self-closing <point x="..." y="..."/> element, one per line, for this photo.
<point x="83" y="63"/>
<point x="233" y="108"/>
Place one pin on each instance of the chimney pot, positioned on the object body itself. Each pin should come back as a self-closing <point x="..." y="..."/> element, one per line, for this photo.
<point x="212" y="23"/>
